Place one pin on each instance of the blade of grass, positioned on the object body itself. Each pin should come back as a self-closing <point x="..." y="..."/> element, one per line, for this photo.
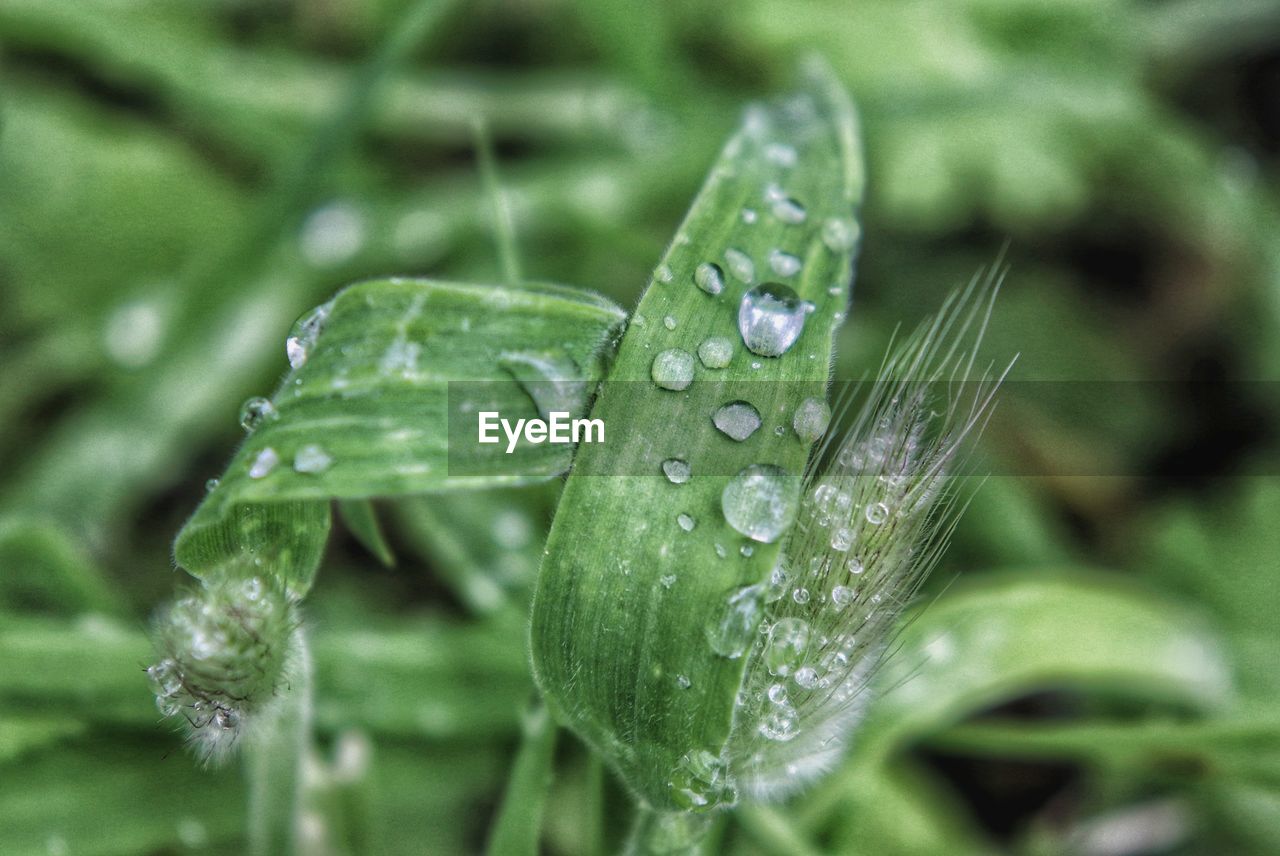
<point x="518" y="827"/>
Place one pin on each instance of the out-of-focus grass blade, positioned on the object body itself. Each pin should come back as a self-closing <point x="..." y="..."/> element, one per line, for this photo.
<point x="361" y="519"/>
<point x="484" y="545"/>
<point x="43" y="570"/>
<point x="518" y="827"/>
<point x="1009" y="636"/>
<point x="626" y="589"/>
<point x="410" y="679"/>
<point x="368" y="411"/>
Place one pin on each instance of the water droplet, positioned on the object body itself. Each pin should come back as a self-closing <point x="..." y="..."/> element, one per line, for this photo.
<point x="264" y="463"/>
<point x="311" y="459"/>
<point x="800" y="596"/>
<point x="842" y="539"/>
<point x="709" y="276"/>
<point x="789" y="210"/>
<point x="784" y="263"/>
<point x="788" y="642"/>
<point x="664" y="273"/>
<point x="771" y="317"/>
<point x="686" y="521"/>
<point x="842" y="596"/>
<point x="806" y="678"/>
<point x="780" y="723"/>
<point x="740" y="265"/>
<point x="720" y="550"/>
<point x="761" y="502"/>
<point x="683" y="682"/>
<point x="677" y="470"/>
<point x="669" y="322"/>
<point x="732" y="630"/>
<point x="737" y="419"/>
<point x="749" y="215"/>
<point x="256" y="411"/>
<point x="303" y="335"/>
<point x="700" y="781"/>
<point x="211" y="485"/>
<point x="777" y="694"/>
<point x="877" y="513"/>
<point x="839" y="235"/>
<point x="854" y="565"/>
<point x="716" y="352"/>
<point x="811" y="419"/>
<point x="673" y="369"/>
<point x="667" y="580"/>
<point x="747" y="550"/>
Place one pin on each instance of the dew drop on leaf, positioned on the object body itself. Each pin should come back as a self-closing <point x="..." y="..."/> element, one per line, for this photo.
<point x="676" y="470"/>
<point x="771" y="317"/>
<point x="839" y="235"/>
<point x="877" y="513"/>
<point x="256" y="411"/>
<point x="709" y="276"/>
<point x="783" y="263"/>
<point x="760" y="502"/>
<point x="686" y="521"/>
<point x="811" y="419"/>
<point x="732" y="629"/>
<point x="716" y="351"/>
<point x="311" y="459"/>
<point x="737" y="420"/>
<point x="264" y="463"/>
<point x="673" y="369"/>
<point x="740" y="265"/>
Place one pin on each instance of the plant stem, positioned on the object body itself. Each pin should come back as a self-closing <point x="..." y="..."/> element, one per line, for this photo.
<point x="504" y="230"/>
<point x="273" y="764"/>
<point x="668" y="833"/>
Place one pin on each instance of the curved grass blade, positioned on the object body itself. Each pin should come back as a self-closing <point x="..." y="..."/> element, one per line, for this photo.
<point x="637" y="562"/>
<point x="368" y="412"/>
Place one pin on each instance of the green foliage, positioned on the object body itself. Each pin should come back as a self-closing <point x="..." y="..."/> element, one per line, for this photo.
<point x="180" y="180"/>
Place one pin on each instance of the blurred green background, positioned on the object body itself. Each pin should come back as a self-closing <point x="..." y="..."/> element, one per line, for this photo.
<point x="180" y="179"/>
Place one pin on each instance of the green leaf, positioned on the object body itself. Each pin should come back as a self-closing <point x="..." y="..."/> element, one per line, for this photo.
<point x="1006" y="637"/>
<point x="369" y="411"/>
<point x="625" y="592"/>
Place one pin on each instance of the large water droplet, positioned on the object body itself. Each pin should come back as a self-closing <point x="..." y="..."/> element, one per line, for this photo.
<point x="255" y="412"/>
<point x="716" y="351"/>
<point x="302" y="338"/>
<point x="761" y="501"/>
<point x="311" y="458"/>
<point x="842" y="539"/>
<point x="740" y="265"/>
<point x="737" y="419"/>
<point x="732" y="630"/>
<point x="811" y="419"/>
<point x="673" y="369"/>
<point x="842" y="596"/>
<point x="709" y="277"/>
<point x="771" y="318"/>
<point x="788" y="642"/>
<point x="677" y="470"/>
<point x="686" y="521"/>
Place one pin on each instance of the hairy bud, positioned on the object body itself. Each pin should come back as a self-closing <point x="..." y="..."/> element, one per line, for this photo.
<point x="225" y="654"/>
